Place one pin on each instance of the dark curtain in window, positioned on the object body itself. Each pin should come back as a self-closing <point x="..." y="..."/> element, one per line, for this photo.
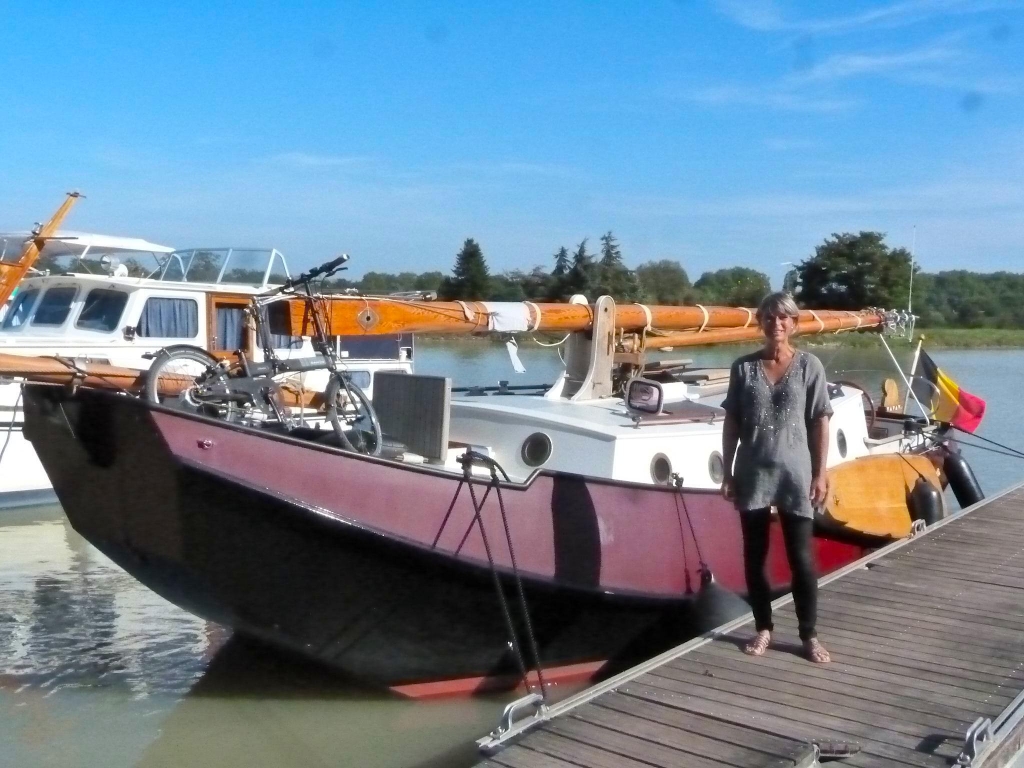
<point x="280" y="340"/>
<point x="230" y="328"/>
<point x="169" y="318"/>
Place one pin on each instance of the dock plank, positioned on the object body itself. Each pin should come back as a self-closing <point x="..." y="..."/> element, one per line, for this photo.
<point x="925" y="636"/>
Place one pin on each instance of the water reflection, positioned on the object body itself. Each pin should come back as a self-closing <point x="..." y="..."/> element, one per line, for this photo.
<point x="97" y="670"/>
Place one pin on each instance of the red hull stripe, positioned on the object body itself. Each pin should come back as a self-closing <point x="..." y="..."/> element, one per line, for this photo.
<point x="468" y="686"/>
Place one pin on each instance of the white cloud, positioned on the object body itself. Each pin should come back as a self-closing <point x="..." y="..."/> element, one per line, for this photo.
<point x="767" y="16"/>
<point x="307" y="160"/>
<point x="775" y="97"/>
<point x="843" y="66"/>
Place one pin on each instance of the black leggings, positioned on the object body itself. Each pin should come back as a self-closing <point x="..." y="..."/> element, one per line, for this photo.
<point x="796" y="531"/>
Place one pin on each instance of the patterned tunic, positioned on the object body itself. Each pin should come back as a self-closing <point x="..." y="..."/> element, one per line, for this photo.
<point x="773" y="461"/>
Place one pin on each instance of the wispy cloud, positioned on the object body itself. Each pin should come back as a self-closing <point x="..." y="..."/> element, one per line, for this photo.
<point x="780" y="97"/>
<point x="308" y="160"/>
<point x="767" y="16"/>
<point x="782" y="144"/>
<point x="842" y="66"/>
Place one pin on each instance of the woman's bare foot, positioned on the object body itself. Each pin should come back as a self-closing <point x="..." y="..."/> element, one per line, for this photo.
<point x="815" y="651"/>
<point x="759" y="644"/>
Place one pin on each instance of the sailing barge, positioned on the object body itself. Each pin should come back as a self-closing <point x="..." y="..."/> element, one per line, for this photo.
<point x="573" y="524"/>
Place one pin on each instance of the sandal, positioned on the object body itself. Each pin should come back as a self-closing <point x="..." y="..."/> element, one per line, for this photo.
<point x="815" y="651"/>
<point x="759" y="644"/>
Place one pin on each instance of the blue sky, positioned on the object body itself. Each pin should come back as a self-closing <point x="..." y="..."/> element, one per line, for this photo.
<point x="717" y="133"/>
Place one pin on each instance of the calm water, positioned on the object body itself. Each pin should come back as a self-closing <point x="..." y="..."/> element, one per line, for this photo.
<point x="95" y="670"/>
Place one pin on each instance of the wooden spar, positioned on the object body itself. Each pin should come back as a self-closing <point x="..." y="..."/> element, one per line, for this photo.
<point x="65" y="371"/>
<point x="359" y="316"/>
<point x="830" y="322"/>
<point x="12" y="273"/>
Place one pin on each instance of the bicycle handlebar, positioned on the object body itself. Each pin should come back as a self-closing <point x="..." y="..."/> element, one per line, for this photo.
<point x="323" y="269"/>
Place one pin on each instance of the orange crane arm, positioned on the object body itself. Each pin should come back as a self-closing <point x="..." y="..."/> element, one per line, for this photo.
<point x="12" y="273"/>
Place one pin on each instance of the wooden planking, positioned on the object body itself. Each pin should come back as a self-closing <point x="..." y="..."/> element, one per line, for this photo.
<point x="924" y="639"/>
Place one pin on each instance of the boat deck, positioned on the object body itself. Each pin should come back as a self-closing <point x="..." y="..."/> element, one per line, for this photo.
<point x="926" y="636"/>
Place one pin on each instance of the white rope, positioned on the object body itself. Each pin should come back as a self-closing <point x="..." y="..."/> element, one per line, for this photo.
<point x="707" y="318"/>
<point x="536" y="314"/>
<point x="750" y="316"/>
<point x="821" y="323"/>
<point x="647" y="314"/>
<point x="555" y="344"/>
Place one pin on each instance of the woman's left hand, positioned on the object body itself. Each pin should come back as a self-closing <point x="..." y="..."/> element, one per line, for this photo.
<point x="819" y="489"/>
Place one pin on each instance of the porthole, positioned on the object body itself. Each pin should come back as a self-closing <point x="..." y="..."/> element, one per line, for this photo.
<point x="536" y="449"/>
<point x="716" y="467"/>
<point x="661" y="469"/>
<point x="841" y="443"/>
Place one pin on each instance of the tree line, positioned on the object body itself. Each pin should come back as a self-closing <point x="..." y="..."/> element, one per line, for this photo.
<point x="846" y="271"/>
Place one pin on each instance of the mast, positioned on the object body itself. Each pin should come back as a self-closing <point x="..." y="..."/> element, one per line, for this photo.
<point x="368" y="315"/>
<point x="11" y="274"/>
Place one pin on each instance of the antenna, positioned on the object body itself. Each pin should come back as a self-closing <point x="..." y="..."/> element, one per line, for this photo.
<point x="910" y="291"/>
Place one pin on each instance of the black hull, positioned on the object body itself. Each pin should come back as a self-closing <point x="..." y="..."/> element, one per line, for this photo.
<point x="273" y="569"/>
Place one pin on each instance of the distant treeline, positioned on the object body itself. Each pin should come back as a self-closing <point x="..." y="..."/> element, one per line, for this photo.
<point x="847" y="271"/>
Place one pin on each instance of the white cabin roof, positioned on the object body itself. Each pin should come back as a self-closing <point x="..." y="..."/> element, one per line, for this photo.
<point x="67" y="243"/>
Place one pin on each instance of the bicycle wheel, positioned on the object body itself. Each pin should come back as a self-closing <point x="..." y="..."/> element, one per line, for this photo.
<point x="352" y="416"/>
<point x="189" y="378"/>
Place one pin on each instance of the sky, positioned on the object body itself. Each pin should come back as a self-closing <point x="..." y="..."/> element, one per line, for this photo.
<point x="714" y="132"/>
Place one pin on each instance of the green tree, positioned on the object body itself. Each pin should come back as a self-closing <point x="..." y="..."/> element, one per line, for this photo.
<point x="665" y="282"/>
<point x="613" y="278"/>
<point x="733" y="287"/>
<point x="581" y="275"/>
<point x="562" y="263"/>
<point x="851" y="271"/>
<point x="470" y="279"/>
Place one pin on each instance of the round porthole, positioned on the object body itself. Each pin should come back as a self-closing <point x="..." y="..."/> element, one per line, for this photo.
<point x="536" y="449"/>
<point x="716" y="467"/>
<point x="661" y="469"/>
<point x="841" y="443"/>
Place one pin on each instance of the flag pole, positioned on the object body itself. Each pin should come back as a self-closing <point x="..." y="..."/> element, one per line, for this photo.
<point x="913" y="371"/>
<point x="902" y="376"/>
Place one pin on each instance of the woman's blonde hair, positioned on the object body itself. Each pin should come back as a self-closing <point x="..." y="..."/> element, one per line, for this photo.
<point x="779" y="304"/>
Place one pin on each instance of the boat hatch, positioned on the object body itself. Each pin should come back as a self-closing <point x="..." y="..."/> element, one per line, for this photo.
<point x="245" y="266"/>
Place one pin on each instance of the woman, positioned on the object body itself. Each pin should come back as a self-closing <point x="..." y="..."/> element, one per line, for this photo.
<point x="777" y="410"/>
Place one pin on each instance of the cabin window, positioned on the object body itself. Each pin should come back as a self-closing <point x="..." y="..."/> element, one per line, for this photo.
<point x="102" y="310"/>
<point x="361" y="379"/>
<point x="230" y="328"/>
<point x="54" y="307"/>
<point x="279" y="340"/>
<point x="18" y="312"/>
<point x="169" y="318"/>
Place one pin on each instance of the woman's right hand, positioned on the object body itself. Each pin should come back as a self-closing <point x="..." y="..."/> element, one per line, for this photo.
<point x="728" y="492"/>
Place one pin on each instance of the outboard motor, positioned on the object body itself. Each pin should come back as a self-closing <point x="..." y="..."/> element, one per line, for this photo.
<point x="962" y="480"/>
<point x="925" y="502"/>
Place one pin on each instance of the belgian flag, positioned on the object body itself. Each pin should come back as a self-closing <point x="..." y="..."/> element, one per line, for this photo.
<point x="948" y="402"/>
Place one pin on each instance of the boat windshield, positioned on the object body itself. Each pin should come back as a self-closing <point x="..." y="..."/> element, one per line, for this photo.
<point x="17" y="312"/>
<point x="246" y="266"/>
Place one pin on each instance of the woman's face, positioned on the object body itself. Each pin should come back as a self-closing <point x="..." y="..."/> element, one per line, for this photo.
<point x="777" y="328"/>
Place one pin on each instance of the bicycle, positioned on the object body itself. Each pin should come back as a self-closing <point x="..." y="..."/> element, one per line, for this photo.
<point x="248" y="392"/>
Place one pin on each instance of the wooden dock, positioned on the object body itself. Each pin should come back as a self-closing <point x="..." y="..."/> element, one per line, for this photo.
<point x="927" y="641"/>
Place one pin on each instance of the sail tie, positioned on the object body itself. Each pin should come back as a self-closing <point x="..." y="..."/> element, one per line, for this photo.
<point x="707" y="317"/>
<point x="536" y="315"/>
<point x="821" y="323"/>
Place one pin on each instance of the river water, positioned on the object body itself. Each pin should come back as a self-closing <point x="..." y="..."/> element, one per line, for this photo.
<point x="96" y="670"/>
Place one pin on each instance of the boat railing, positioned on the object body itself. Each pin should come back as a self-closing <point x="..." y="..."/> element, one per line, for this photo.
<point x="247" y="266"/>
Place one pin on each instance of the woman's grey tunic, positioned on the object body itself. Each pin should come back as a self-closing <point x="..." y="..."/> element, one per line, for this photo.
<point x="773" y="461"/>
